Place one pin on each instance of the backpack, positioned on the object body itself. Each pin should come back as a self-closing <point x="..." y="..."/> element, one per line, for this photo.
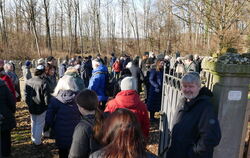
<point x="110" y="84"/>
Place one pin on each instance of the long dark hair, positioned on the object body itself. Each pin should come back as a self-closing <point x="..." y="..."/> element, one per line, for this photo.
<point x="122" y="136"/>
<point x="88" y="100"/>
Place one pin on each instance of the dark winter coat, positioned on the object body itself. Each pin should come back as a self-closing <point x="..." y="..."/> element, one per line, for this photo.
<point x="196" y="130"/>
<point x="8" y="83"/>
<point x="63" y="116"/>
<point x="112" y="61"/>
<point x="51" y="83"/>
<point x="198" y="65"/>
<point x="83" y="143"/>
<point x="125" y="62"/>
<point x="62" y="69"/>
<point x="130" y="100"/>
<point x="138" y="75"/>
<point x="7" y="107"/>
<point x="85" y="71"/>
<point x="99" y="154"/>
<point x="97" y="82"/>
<point x="155" y="90"/>
<point x="37" y="94"/>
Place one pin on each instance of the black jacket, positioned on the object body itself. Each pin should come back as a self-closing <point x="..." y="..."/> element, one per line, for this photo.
<point x="37" y="95"/>
<point x="83" y="143"/>
<point x="196" y="129"/>
<point x="7" y="107"/>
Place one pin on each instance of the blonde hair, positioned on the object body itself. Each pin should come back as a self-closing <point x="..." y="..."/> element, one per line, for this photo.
<point x="66" y="83"/>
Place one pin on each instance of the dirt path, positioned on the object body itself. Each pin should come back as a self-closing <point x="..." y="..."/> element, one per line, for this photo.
<point x="23" y="148"/>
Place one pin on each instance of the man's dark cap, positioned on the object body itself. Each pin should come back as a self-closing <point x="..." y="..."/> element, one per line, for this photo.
<point x="190" y="57"/>
<point x="50" y="58"/>
<point x="146" y="53"/>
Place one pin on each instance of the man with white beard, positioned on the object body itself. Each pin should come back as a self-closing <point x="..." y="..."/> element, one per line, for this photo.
<point x="196" y="130"/>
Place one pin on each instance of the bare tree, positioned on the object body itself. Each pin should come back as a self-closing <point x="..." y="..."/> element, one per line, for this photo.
<point x="3" y="23"/>
<point x="122" y="23"/>
<point x="31" y="9"/>
<point x="46" y="4"/>
<point x="136" y="26"/>
<point x="75" y="6"/>
<point x="61" y="25"/>
<point x="218" y="17"/>
<point x="69" y="8"/>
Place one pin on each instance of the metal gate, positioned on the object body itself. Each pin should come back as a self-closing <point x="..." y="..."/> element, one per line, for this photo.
<point x="170" y="95"/>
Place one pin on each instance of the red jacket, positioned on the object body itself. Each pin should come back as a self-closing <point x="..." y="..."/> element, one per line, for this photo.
<point x="9" y="84"/>
<point x="117" y="66"/>
<point x="130" y="100"/>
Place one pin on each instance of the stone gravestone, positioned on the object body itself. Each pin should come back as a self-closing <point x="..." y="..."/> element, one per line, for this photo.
<point x="229" y="82"/>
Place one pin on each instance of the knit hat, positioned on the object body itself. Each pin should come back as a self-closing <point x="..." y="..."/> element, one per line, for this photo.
<point x="128" y="83"/>
<point x="40" y="67"/>
<point x="27" y="63"/>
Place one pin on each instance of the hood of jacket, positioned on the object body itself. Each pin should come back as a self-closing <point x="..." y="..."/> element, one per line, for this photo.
<point x="66" y="96"/>
<point x="128" y="99"/>
<point x="101" y="68"/>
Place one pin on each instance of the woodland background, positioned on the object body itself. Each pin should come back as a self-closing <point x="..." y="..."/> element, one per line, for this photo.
<point x="38" y="28"/>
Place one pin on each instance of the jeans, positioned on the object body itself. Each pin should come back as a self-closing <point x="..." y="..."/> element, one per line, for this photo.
<point x="37" y="125"/>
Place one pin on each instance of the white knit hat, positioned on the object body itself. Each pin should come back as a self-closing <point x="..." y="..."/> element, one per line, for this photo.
<point x="128" y="83"/>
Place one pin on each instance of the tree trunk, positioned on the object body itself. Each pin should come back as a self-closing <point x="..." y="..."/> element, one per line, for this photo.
<point x="3" y="28"/>
<point x="48" y="37"/>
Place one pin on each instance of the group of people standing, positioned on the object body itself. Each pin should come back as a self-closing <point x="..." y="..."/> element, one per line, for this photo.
<point x="71" y="103"/>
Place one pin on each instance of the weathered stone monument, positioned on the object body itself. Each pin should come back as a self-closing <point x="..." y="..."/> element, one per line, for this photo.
<point x="228" y="77"/>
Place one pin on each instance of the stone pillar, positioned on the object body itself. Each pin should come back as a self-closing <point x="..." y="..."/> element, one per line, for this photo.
<point x="230" y="85"/>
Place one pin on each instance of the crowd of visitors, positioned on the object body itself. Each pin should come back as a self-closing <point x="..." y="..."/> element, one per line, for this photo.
<point x="94" y="108"/>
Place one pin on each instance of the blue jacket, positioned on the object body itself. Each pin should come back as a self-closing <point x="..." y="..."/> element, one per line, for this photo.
<point x="196" y="130"/>
<point x="97" y="82"/>
<point x="155" y="90"/>
<point x="63" y="116"/>
<point x="112" y="61"/>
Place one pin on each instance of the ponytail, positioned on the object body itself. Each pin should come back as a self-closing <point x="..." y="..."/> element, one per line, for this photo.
<point x="99" y="118"/>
